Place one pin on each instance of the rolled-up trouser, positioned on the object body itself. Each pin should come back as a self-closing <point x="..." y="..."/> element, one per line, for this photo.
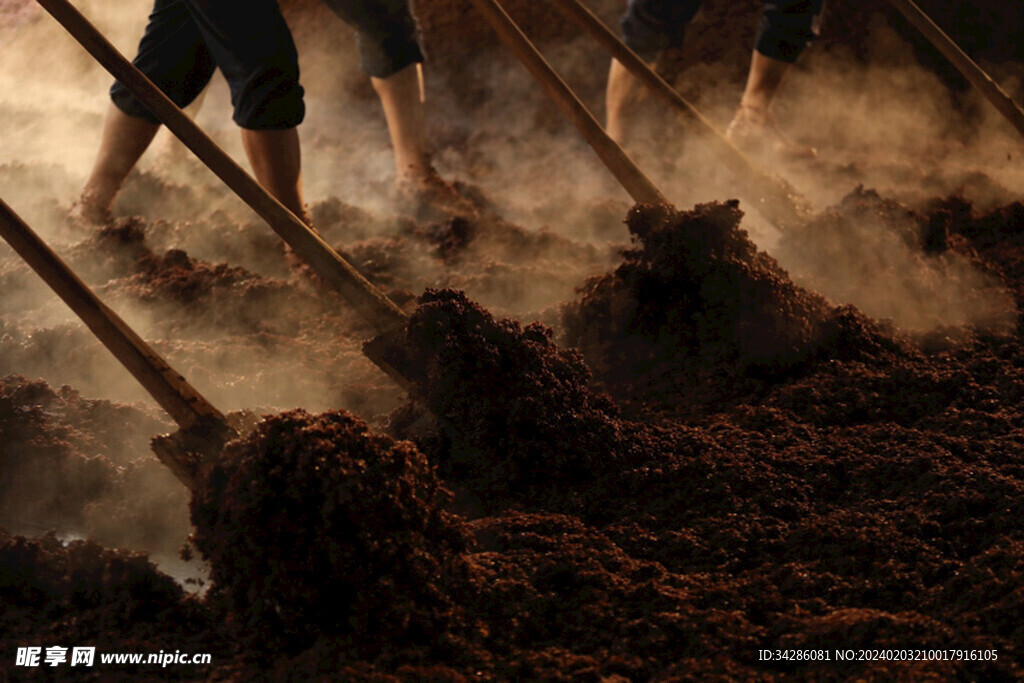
<point x="386" y="33"/>
<point x="785" y="29"/>
<point x="248" y="40"/>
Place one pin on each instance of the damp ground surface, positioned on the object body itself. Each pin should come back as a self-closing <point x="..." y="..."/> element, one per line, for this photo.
<point x="646" y="443"/>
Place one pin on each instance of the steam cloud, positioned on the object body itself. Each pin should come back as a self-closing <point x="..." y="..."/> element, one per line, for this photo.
<point x="253" y="341"/>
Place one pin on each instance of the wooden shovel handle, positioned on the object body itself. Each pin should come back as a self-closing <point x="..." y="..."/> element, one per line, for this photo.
<point x="184" y="404"/>
<point x="632" y="179"/>
<point x="168" y="388"/>
<point x="967" y="66"/>
<point x="369" y="301"/>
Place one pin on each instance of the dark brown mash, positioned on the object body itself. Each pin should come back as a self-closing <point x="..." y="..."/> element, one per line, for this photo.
<point x="314" y="525"/>
<point x="706" y="450"/>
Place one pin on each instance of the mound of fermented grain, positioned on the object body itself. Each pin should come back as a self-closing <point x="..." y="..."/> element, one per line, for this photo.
<point x="997" y="234"/>
<point x="896" y="263"/>
<point x="187" y="296"/>
<point x="314" y="525"/>
<point x="504" y="266"/>
<point x="217" y="294"/>
<point x="111" y="251"/>
<point x="696" y="310"/>
<point x="43" y="475"/>
<point x="177" y="276"/>
<point x="84" y="465"/>
<point x="520" y="411"/>
<point x="80" y="594"/>
<point x="697" y="283"/>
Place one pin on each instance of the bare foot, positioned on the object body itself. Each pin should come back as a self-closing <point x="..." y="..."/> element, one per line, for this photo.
<point x="429" y="197"/>
<point x="87" y="216"/>
<point x="756" y="133"/>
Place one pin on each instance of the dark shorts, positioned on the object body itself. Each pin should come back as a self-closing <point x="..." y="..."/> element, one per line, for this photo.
<point x="248" y="40"/>
<point x="386" y="32"/>
<point x="785" y="29"/>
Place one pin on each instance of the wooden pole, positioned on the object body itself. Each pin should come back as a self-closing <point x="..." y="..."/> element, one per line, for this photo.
<point x="778" y="202"/>
<point x="967" y="66"/>
<point x="632" y="179"/>
<point x="380" y="311"/>
<point x="169" y="389"/>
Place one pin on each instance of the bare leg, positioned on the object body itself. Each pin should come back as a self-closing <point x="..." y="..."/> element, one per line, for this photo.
<point x="171" y="150"/>
<point x="123" y="141"/>
<point x="276" y="160"/>
<point x="418" y="184"/>
<point x="763" y="81"/>
<point x="753" y="128"/>
<point x="404" y="111"/>
<point x="623" y="92"/>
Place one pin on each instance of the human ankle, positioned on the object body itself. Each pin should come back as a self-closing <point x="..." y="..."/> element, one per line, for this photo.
<point x="90" y="209"/>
